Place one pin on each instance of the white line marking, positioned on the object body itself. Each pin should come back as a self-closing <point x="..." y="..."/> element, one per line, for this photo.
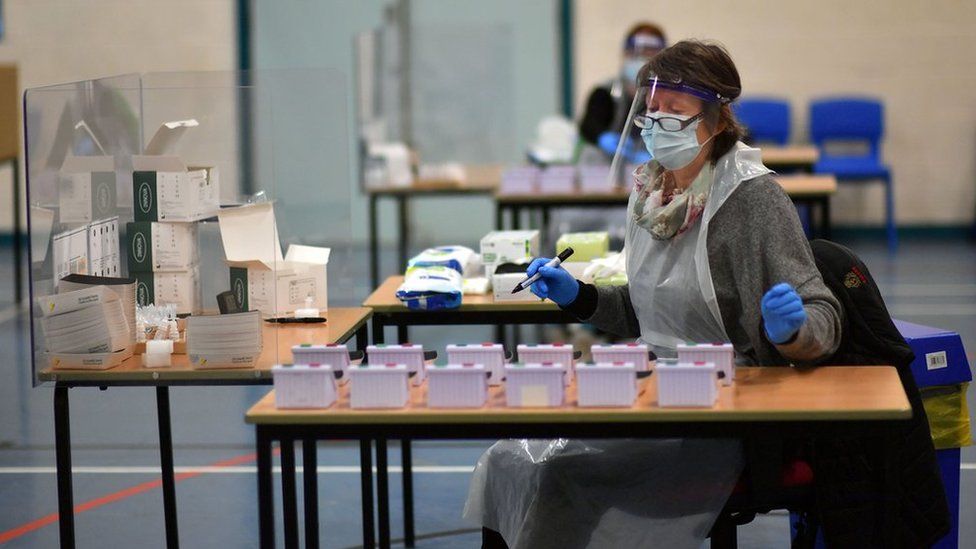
<point x="322" y="469"/>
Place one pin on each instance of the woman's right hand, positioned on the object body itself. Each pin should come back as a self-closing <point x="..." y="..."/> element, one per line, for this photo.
<point x="555" y="284"/>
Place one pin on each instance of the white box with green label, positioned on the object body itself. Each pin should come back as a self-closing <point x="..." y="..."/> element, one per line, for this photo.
<point x="179" y="288"/>
<point x="508" y="246"/>
<point x="86" y="189"/>
<point x="161" y="246"/>
<point x="260" y="277"/>
<point x="165" y="188"/>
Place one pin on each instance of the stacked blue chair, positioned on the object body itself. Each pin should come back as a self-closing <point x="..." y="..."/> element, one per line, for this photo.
<point x="767" y="119"/>
<point x="854" y="119"/>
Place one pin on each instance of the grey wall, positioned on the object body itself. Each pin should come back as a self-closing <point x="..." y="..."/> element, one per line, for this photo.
<point x="483" y="74"/>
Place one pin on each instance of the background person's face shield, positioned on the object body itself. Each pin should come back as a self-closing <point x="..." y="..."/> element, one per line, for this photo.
<point x="659" y="105"/>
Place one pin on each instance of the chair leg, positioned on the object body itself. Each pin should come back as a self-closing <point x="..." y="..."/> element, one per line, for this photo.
<point x="891" y="230"/>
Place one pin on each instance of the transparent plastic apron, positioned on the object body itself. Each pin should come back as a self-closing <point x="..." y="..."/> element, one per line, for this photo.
<point x="670" y="282"/>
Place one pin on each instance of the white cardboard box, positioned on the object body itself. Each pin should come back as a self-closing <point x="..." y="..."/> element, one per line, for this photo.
<point x="492" y="355"/>
<point x="92" y="249"/>
<point x="457" y="386"/>
<point x="542" y="353"/>
<point x="379" y="386"/>
<point x="157" y="246"/>
<point x="179" y="288"/>
<point x="86" y="189"/>
<point x="637" y="353"/>
<point x="503" y="282"/>
<point x="502" y="246"/>
<point x="535" y="385"/>
<point x="721" y="354"/>
<point x="259" y="276"/>
<point x="607" y="384"/>
<point x="164" y="188"/>
<point x="334" y="355"/>
<point x="686" y="384"/>
<point x="408" y="354"/>
<point x="303" y="386"/>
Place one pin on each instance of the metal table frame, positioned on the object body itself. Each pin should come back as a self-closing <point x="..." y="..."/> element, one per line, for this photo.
<point x="62" y="435"/>
<point x="266" y="433"/>
<point x="402" y="319"/>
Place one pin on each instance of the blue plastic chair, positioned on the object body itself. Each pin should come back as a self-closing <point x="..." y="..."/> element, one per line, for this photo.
<point x="767" y="119"/>
<point x="852" y="119"/>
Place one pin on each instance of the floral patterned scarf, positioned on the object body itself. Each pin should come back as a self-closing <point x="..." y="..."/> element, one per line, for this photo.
<point x="661" y="208"/>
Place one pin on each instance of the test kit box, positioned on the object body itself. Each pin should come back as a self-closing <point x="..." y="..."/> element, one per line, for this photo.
<point x="179" y="288"/>
<point x="86" y="189"/>
<point x="161" y="246"/>
<point x="304" y="386"/>
<point x="92" y="249"/>
<point x="507" y="246"/>
<point x="610" y="384"/>
<point x="164" y="188"/>
<point x="940" y="358"/>
<point x="457" y="386"/>
<point x="535" y="385"/>
<point x="722" y="355"/>
<point x="691" y="384"/>
<point x="260" y="277"/>
<point x="379" y="386"/>
<point x="504" y="280"/>
<point x="491" y="355"/>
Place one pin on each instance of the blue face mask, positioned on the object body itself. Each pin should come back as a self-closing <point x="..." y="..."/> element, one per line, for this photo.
<point x="673" y="150"/>
<point x="631" y="68"/>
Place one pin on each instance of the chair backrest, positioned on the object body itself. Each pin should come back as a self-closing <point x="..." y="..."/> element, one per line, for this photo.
<point x="767" y="119"/>
<point x="847" y="119"/>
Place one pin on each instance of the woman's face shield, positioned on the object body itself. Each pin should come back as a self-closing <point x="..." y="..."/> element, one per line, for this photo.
<point x="658" y="105"/>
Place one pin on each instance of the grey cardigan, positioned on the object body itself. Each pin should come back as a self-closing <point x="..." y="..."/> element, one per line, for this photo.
<point x="754" y="241"/>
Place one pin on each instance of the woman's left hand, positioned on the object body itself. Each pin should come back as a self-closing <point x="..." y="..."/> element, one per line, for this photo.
<point x="783" y="313"/>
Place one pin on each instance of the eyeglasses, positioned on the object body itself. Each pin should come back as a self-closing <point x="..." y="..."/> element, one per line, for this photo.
<point x="667" y="123"/>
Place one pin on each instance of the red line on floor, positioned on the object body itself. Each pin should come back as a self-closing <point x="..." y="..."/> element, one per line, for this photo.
<point x="116" y="496"/>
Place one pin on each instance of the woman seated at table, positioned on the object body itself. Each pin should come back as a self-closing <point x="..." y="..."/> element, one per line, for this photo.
<point x="715" y="252"/>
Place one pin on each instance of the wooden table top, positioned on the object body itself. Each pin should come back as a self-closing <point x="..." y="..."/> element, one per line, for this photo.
<point x="758" y="394"/>
<point x="773" y="156"/>
<point x="795" y="185"/>
<point x="384" y="300"/>
<point x="480" y="180"/>
<point x="341" y="324"/>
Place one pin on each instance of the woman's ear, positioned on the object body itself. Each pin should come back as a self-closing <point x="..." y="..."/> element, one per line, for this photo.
<point x="723" y="115"/>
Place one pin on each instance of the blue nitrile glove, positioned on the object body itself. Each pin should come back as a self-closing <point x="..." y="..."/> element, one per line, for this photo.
<point x="783" y="313"/>
<point x="556" y="283"/>
<point x="608" y="142"/>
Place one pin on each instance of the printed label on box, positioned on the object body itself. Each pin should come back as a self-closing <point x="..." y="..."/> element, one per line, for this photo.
<point x="936" y="361"/>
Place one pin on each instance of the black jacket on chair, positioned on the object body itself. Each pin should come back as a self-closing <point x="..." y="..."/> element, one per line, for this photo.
<point x="883" y="491"/>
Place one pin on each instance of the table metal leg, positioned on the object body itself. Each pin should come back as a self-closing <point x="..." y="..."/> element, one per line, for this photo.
<point x="403" y="333"/>
<point x="366" y="480"/>
<point x="18" y="251"/>
<point x="406" y="461"/>
<point x="382" y="493"/>
<point x="825" y="219"/>
<point x="289" y="497"/>
<point x="404" y="230"/>
<point x="515" y="218"/>
<point x="362" y="337"/>
<point x="374" y="245"/>
<point x="544" y="227"/>
<point x="499" y="220"/>
<point x="311" y="496"/>
<point x="62" y="444"/>
<point x="265" y="487"/>
<point x="379" y="337"/>
<point x="166" y="464"/>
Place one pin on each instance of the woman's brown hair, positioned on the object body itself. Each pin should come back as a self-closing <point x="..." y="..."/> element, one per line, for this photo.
<point x="703" y="65"/>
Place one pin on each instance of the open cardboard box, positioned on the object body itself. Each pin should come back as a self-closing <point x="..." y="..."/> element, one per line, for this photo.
<point x="259" y="276"/>
<point x="164" y="188"/>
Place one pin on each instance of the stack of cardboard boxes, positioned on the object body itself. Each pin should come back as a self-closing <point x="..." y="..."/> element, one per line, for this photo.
<point x="170" y="198"/>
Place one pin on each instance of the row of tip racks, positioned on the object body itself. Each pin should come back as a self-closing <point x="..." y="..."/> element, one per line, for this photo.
<point x="539" y="378"/>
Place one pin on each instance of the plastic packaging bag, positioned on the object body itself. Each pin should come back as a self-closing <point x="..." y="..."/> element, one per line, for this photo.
<point x="607" y="271"/>
<point x="948" y="415"/>
<point x="461" y="259"/>
<point x="570" y="493"/>
<point x="431" y="288"/>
